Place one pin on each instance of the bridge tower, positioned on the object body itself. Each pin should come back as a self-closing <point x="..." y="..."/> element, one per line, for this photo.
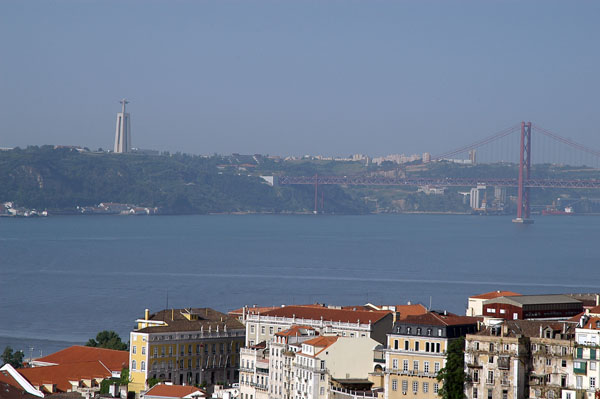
<point x="523" y="213"/>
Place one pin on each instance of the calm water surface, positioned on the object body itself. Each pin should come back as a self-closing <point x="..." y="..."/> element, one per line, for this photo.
<point x="63" y="279"/>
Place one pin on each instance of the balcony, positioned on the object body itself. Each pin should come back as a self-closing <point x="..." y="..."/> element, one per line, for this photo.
<point x="504" y="363"/>
<point x="582" y="369"/>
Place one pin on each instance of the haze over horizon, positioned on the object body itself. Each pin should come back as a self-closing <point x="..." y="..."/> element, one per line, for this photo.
<point x="294" y="78"/>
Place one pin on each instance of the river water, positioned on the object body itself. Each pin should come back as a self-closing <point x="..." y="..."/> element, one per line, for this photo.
<point x="63" y="279"/>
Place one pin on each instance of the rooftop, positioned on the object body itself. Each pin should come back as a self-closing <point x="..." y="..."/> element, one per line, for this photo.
<point x="534" y="299"/>
<point x="329" y="314"/>
<point x="173" y="391"/>
<point x="192" y="319"/>
<point x="295" y="330"/>
<point x="439" y="319"/>
<point x="495" y="294"/>
<point x="114" y="360"/>
<point x="530" y="328"/>
<point x="61" y="375"/>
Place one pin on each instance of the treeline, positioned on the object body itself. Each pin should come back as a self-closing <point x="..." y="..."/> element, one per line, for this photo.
<point x="63" y="178"/>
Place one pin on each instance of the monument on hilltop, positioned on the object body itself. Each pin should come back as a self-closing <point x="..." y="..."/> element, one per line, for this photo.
<point x="123" y="131"/>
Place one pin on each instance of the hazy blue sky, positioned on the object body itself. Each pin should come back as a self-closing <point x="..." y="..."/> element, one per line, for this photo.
<point x="296" y="77"/>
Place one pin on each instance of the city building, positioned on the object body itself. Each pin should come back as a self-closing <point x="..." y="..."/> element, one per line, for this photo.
<point x="586" y="362"/>
<point x="254" y="372"/>
<point x="416" y="352"/>
<point x="327" y="363"/>
<point x="15" y="386"/>
<point x="519" y="358"/>
<point x="283" y="348"/>
<point x="475" y="303"/>
<point x="185" y="346"/>
<point x="351" y="322"/>
<point x="532" y="307"/>
<point x="123" y="130"/>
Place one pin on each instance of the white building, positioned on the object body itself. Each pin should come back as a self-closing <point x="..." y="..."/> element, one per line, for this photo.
<point x="254" y="372"/>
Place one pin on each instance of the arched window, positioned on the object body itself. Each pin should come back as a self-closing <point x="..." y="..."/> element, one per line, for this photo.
<point x="133" y="365"/>
<point x="143" y="364"/>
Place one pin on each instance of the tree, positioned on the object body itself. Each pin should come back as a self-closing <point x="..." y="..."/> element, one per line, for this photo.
<point x="152" y="382"/>
<point x="107" y="339"/>
<point x="124" y="376"/>
<point x="453" y="375"/>
<point x="15" y="359"/>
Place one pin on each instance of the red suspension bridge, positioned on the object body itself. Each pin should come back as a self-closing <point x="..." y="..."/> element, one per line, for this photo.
<point x="576" y="153"/>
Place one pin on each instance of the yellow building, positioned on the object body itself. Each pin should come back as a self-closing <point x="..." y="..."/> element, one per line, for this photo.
<point x="416" y="352"/>
<point x="185" y="346"/>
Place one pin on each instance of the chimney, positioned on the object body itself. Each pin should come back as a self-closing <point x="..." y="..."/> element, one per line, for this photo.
<point x="147" y="314"/>
<point x="541" y="332"/>
<point x="597" y="299"/>
<point x="172" y="314"/>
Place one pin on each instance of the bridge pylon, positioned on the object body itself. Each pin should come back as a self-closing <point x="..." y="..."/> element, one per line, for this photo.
<point x="523" y="212"/>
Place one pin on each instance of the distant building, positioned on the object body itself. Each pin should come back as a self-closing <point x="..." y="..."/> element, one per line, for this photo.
<point x="426" y="157"/>
<point x="123" y="130"/>
<point x="473" y="156"/>
<point x="170" y="391"/>
<point x="474" y="202"/>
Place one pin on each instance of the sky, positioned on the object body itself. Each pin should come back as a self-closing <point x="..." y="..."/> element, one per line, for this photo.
<point x="290" y="77"/>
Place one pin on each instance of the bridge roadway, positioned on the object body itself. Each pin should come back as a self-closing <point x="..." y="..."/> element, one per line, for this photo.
<point x="359" y="180"/>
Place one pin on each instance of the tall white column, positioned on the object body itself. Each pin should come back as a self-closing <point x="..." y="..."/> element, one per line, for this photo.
<point x="123" y="130"/>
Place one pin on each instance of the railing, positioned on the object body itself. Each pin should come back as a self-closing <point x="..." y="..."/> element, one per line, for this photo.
<point x="354" y="394"/>
<point x="309" y="322"/>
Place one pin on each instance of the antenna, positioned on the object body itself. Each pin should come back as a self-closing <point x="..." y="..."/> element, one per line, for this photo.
<point x="429" y="302"/>
<point x="167" y="307"/>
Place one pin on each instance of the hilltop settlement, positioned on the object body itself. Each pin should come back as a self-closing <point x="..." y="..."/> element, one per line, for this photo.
<point x="507" y="345"/>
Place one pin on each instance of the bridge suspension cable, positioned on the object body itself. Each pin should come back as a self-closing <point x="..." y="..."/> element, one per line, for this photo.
<point x="566" y="141"/>
<point x="487" y="140"/>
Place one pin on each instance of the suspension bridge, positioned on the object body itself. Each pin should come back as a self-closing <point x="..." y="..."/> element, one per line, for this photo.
<point x="551" y="148"/>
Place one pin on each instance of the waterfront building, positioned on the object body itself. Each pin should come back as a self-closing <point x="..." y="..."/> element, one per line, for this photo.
<point x="350" y="322"/>
<point x="123" y="130"/>
<point x="416" y="352"/>
<point x="532" y="307"/>
<point x="520" y="358"/>
<point x="185" y="346"/>
<point x="475" y="303"/>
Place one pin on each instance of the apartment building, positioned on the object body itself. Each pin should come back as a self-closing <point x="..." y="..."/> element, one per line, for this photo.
<point x="347" y="322"/>
<point x="283" y="350"/>
<point x="416" y="351"/>
<point x="254" y="372"/>
<point x="532" y="307"/>
<point x="185" y="346"/>
<point x="475" y="302"/>
<point x="323" y="360"/>
<point x="519" y="358"/>
<point x="586" y="362"/>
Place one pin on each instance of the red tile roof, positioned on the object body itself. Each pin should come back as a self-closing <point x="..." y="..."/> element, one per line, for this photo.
<point x="328" y="314"/>
<point x="112" y="359"/>
<point x="595" y="310"/>
<point x="173" y="391"/>
<point x="60" y="375"/>
<point x="410" y="310"/>
<point x="294" y="330"/>
<point x="591" y="323"/>
<point x="322" y="342"/>
<point x="436" y="319"/>
<point x="495" y="294"/>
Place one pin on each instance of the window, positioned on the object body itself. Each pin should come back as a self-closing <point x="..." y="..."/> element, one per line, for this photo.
<point x="395" y="364"/>
<point x="426" y="346"/>
<point x="271" y="330"/>
<point x="395" y="344"/>
<point x="474" y="393"/>
<point x="405" y="365"/>
<point x="548" y="361"/>
<point x="404" y="385"/>
<point x="592" y="365"/>
<point x="436" y="387"/>
<point x="415" y="386"/>
<point x="563" y="363"/>
<point x="592" y="382"/>
<point x="490" y="393"/>
<point x="419" y="331"/>
<point x="505" y="394"/>
<point x="133" y="364"/>
<point x="426" y="367"/>
<point x="408" y="329"/>
<point x="322" y="377"/>
<point x="436" y="367"/>
<point x="491" y="310"/>
<point x="415" y="365"/>
<point x="491" y="347"/>
<point x="406" y="345"/>
<point x="143" y="365"/>
<point x="322" y="391"/>
<point x="579" y="382"/>
<point x="143" y="350"/>
<point x="251" y="328"/>
<point x="475" y="375"/>
<point x="417" y="346"/>
<point x="425" y="387"/>
<point x="491" y="359"/>
<point x="502" y="311"/>
<point x="490" y="379"/>
<point x="394" y="385"/>
<point x="262" y="329"/>
<point x="134" y="349"/>
<point x="437" y="348"/>
<point x="476" y="346"/>
<point x="429" y="330"/>
<point x="323" y="364"/>
<point x="439" y="332"/>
